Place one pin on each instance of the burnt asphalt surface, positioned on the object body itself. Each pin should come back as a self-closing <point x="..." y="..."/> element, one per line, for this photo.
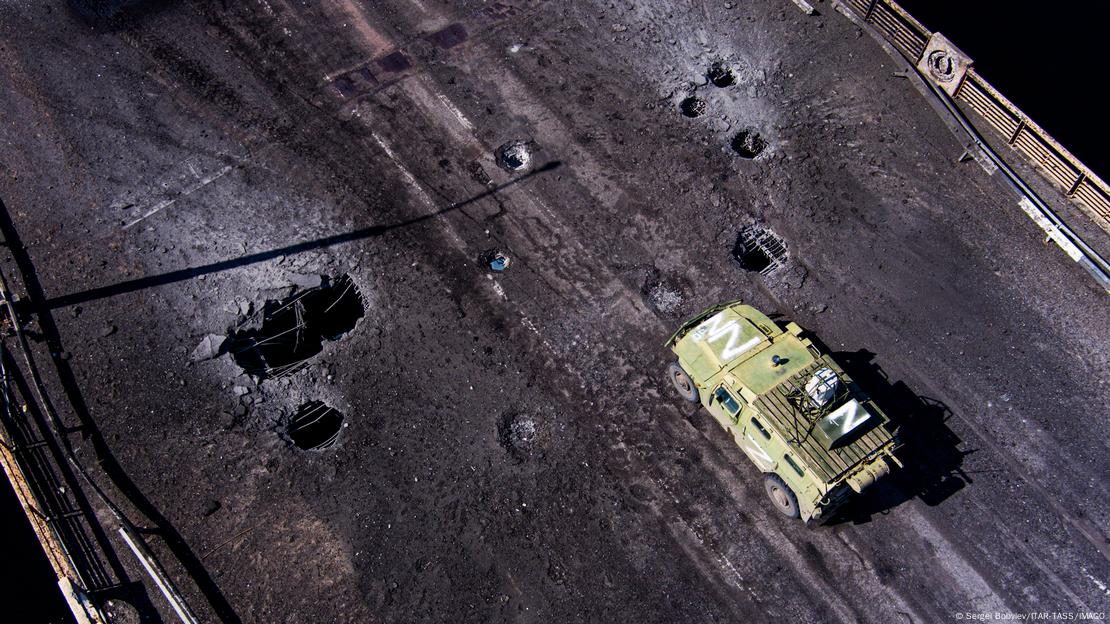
<point x="512" y="451"/>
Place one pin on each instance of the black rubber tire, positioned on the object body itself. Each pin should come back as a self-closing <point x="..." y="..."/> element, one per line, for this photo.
<point x="781" y="496"/>
<point x="681" y="381"/>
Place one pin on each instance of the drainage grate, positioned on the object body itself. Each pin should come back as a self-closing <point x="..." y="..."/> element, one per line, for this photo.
<point x="285" y="334"/>
<point x="759" y="250"/>
<point x="315" y="426"/>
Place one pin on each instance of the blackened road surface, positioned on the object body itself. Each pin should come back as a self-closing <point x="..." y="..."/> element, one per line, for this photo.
<point x="512" y="452"/>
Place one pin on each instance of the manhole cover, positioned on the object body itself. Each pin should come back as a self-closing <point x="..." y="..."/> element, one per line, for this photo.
<point x="315" y="426"/>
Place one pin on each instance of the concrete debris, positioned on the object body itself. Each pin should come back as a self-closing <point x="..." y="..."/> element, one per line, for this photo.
<point x="665" y="299"/>
<point x="306" y="282"/>
<point x="806" y="7"/>
<point x="212" y="346"/>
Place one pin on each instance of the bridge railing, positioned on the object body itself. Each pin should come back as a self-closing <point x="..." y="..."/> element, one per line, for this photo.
<point x="1021" y="133"/>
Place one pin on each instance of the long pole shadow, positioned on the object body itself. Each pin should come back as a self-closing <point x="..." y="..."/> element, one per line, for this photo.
<point x="104" y="457"/>
<point x="42" y="307"/>
<point x="142" y="283"/>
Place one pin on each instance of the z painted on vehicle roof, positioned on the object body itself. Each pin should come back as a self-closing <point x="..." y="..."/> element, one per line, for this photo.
<point x="817" y="437"/>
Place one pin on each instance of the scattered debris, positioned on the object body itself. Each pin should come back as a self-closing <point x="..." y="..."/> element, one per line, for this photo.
<point x="663" y="294"/>
<point x="759" y="250"/>
<point x="516" y="433"/>
<point x="497" y="260"/>
<point x="720" y="75"/>
<point x="306" y="282"/>
<point x="692" y="106"/>
<point x="806" y="7"/>
<point x="315" y="426"/>
<point x="211" y="346"/>
<point x="748" y="143"/>
<point x="513" y="156"/>
<point x="478" y="173"/>
<point x="289" y="332"/>
<point x="665" y="299"/>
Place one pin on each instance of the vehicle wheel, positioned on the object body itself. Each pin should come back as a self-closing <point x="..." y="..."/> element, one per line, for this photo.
<point x="781" y="496"/>
<point x="682" y="382"/>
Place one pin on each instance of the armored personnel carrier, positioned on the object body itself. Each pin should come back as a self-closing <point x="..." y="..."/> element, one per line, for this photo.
<point x="817" y="437"/>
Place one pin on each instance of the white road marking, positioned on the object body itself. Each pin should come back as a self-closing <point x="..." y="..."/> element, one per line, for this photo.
<point x="1098" y="583"/>
<point x="983" y="597"/>
<point x="191" y="189"/>
<point x="455" y="111"/>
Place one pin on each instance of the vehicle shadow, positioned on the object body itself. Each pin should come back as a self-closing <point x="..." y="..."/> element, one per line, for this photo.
<point x="930" y="451"/>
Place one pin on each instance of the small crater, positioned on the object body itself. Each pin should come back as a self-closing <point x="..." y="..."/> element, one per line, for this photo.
<point x="517" y="433"/>
<point x="720" y="75"/>
<point x="692" y="107"/>
<point x="280" y="338"/>
<point x="748" y="143"/>
<point x="513" y="156"/>
<point x="315" y="426"/>
<point x="759" y="250"/>
<point x="664" y="294"/>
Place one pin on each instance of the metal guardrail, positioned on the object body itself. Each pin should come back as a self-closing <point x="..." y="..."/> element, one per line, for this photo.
<point x="1021" y="133"/>
<point x="42" y="468"/>
<point x="938" y="74"/>
<point x="34" y="472"/>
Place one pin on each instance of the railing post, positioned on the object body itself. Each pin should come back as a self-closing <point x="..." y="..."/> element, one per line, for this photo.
<point x="870" y="9"/>
<point x="1075" y="186"/>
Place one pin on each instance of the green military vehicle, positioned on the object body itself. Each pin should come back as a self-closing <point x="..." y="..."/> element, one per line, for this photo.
<point x="816" y="436"/>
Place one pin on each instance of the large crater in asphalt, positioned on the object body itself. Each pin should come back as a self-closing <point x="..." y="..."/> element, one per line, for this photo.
<point x="280" y="338"/>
